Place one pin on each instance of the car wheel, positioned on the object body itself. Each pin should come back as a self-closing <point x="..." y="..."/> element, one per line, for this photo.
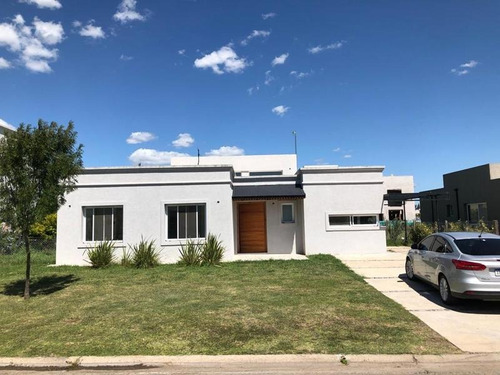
<point x="444" y="291"/>
<point x="409" y="269"/>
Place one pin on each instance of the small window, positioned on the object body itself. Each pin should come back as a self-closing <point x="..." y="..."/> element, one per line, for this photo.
<point x="426" y="243"/>
<point x="364" y="220"/>
<point x="186" y="221"/>
<point x="449" y="210"/>
<point x="103" y="223"/>
<point x="339" y="220"/>
<point x="287" y="214"/>
<point x="352" y="220"/>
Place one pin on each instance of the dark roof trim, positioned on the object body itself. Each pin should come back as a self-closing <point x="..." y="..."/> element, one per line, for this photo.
<point x="413" y="196"/>
<point x="268" y="192"/>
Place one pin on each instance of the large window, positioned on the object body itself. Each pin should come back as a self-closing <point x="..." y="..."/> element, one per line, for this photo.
<point x="340" y="221"/>
<point x="476" y="212"/>
<point x="103" y="223"/>
<point x="186" y="221"/>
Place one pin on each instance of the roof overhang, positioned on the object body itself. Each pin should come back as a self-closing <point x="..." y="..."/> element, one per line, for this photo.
<point x="260" y="192"/>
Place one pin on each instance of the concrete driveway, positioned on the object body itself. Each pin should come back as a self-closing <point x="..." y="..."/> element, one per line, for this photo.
<point x="473" y="326"/>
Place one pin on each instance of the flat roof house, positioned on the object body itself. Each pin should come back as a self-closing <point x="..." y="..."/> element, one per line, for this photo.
<point x="469" y="194"/>
<point x="259" y="206"/>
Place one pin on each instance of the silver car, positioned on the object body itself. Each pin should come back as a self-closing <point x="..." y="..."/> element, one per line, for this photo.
<point x="459" y="264"/>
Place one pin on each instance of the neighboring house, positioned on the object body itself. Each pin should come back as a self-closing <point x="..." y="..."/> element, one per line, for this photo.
<point x="398" y="209"/>
<point x="5" y="128"/>
<point x="470" y="194"/>
<point x="259" y="206"/>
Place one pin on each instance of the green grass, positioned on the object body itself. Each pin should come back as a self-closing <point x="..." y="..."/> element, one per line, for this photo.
<point x="271" y="307"/>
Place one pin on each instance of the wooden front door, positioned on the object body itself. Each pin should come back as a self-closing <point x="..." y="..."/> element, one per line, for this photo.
<point x="252" y="227"/>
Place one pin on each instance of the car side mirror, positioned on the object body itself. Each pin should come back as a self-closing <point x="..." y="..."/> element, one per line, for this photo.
<point x="414" y="246"/>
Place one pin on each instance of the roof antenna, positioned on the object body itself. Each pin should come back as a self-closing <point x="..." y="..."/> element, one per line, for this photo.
<point x="480" y="234"/>
<point x="198" y="156"/>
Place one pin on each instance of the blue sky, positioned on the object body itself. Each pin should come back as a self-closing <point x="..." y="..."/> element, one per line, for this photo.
<point x="412" y="85"/>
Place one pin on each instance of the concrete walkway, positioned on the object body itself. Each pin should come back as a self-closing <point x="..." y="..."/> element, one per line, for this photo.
<point x="472" y="326"/>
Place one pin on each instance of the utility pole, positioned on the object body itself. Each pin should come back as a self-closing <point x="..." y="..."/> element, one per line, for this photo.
<point x="295" y="136"/>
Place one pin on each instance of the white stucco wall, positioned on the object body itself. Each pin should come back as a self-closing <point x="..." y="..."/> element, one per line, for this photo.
<point x="406" y="185"/>
<point x="143" y="195"/>
<point x="333" y="190"/>
<point x="287" y="163"/>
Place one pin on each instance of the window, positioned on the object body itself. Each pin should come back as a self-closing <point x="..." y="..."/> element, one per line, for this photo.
<point x="339" y="220"/>
<point x="352" y="220"/>
<point x="103" y="223"/>
<point x="426" y="243"/>
<point x="449" y="210"/>
<point x="476" y="212"/>
<point x="186" y="221"/>
<point x="441" y="246"/>
<point x="393" y="203"/>
<point x="287" y="214"/>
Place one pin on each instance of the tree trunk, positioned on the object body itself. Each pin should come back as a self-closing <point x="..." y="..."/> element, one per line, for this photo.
<point x="28" y="266"/>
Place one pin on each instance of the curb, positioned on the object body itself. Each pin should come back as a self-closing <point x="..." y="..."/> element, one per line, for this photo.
<point x="137" y="362"/>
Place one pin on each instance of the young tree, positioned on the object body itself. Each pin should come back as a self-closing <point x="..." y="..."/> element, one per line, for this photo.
<point x="38" y="166"/>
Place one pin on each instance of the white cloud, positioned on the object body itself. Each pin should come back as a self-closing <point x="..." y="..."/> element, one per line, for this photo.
<point x="7" y="125"/>
<point x="9" y="37"/>
<point x="48" y="32"/>
<point x="183" y="140"/>
<point x="347" y="156"/>
<point x="280" y="110"/>
<point x="5" y="64"/>
<point x="269" y="78"/>
<point x="126" y="12"/>
<point x="300" y="75"/>
<point x="51" y="4"/>
<point x="91" y="31"/>
<point x="465" y="68"/>
<point x="279" y="60"/>
<point x="336" y="149"/>
<point x="140" y="137"/>
<point x="268" y="15"/>
<point x="470" y="64"/>
<point x="223" y="60"/>
<point x="181" y="52"/>
<point x="320" y="48"/>
<point x="77" y="24"/>
<point x="125" y="57"/>
<point x="226" y="151"/>
<point x="255" y="34"/>
<point x="38" y="66"/>
<point x="32" y="43"/>
<point x="251" y="90"/>
<point x="146" y="156"/>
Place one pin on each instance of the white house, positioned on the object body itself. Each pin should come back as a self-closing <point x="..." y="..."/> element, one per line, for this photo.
<point x="259" y="206"/>
<point x="399" y="209"/>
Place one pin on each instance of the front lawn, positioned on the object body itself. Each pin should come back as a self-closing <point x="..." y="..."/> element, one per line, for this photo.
<point x="271" y="307"/>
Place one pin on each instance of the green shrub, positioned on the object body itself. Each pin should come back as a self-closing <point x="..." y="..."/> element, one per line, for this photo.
<point x="212" y="251"/>
<point x="126" y="260"/>
<point x="144" y="254"/>
<point x="419" y="231"/>
<point x="101" y="254"/>
<point x="395" y="231"/>
<point x="190" y="254"/>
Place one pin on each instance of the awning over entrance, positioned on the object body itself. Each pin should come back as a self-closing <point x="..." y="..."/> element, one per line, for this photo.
<point x="268" y="192"/>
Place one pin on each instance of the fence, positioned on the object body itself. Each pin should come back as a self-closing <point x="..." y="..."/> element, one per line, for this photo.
<point x="10" y="244"/>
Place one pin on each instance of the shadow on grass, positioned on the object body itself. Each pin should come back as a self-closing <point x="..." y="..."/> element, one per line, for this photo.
<point x="40" y="286"/>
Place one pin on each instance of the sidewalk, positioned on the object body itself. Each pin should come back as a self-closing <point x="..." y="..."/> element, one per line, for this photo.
<point x="252" y="364"/>
<point x="471" y="325"/>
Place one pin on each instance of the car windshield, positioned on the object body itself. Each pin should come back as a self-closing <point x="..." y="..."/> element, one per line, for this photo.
<point x="479" y="246"/>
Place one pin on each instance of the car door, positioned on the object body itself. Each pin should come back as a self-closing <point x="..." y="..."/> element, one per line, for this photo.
<point x="434" y="258"/>
<point x="420" y="255"/>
